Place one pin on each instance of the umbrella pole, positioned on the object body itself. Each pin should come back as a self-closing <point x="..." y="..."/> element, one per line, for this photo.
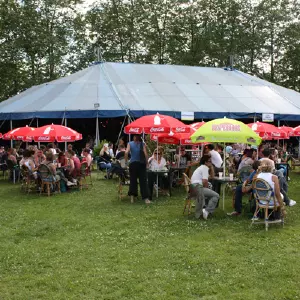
<point x="11" y="141"/>
<point x="224" y="161"/>
<point x="97" y="132"/>
<point x="157" y="162"/>
<point x="66" y="142"/>
<point x="37" y="125"/>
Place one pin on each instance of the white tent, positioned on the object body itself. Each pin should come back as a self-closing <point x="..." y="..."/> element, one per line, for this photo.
<point x="116" y="89"/>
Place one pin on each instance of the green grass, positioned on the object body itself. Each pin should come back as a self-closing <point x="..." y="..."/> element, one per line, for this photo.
<point x="90" y="245"/>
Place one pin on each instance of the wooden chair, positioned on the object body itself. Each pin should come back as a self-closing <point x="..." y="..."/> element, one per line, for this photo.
<point x="84" y="172"/>
<point x="123" y="178"/>
<point x="47" y="180"/>
<point x="187" y="201"/>
<point x="28" y="183"/>
<point x="265" y="200"/>
<point x="294" y="163"/>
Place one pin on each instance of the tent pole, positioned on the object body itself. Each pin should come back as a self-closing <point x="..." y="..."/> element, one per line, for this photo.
<point x="66" y="142"/>
<point x="11" y="141"/>
<point x="37" y="125"/>
<point x="97" y="131"/>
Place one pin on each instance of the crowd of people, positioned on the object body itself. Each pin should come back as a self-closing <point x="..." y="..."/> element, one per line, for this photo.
<point x="64" y="165"/>
<point x="246" y="163"/>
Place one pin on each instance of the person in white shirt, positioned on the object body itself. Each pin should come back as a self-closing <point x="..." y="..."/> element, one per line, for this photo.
<point x="216" y="158"/>
<point x="157" y="162"/>
<point x="199" y="185"/>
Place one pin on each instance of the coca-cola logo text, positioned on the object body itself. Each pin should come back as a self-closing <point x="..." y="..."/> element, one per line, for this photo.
<point x="134" y="130"/>
<point x="157" y="129"/>
<point x="180" y="129"/>
<point x="66" y="138"/>
<point x="44" y="138"/>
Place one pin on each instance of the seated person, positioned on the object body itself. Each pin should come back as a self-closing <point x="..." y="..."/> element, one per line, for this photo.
<point x="38" y="157"/>
<point x="157" y="162"/>
<point x="87" y="156"/>
<point x="11" y="155"/>
<point x="244" y="188"/>
<point x="199" y="180"/>
<point x="265" y="173"/>
<point x="62" y="159"/>
<point x="216" y="158"/>
<point x="105" y="158"/>
<point x="246" y="159"/>
<point x="183" y="159"/>
<point x="76" y="162"/>
<point x="28" y="161"/>
<point x="116" y="167"/>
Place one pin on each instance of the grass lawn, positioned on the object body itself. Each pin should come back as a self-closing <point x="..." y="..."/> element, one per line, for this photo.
<point x="90" y="245"/>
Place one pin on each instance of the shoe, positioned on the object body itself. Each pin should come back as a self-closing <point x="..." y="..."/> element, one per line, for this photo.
<point x="292" y="202"/>
<point x="147" y="201"/>
<point x="255" y="218"/>
<point x="234" y="213"/>
<point x="205" y="213"/>
<point x="69" y="183"/>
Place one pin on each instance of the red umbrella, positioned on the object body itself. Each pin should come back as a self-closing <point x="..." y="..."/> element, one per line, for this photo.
<point x="174" y="138"/>
<point x="156" y="124"/>
<point x="296" y="131"/>
<point x="20" y="134"/>
<point x="197" y="125"/>
<point x="288" y="130"/>
<point x="267" y="131"/>
<point x="59" y="133"/>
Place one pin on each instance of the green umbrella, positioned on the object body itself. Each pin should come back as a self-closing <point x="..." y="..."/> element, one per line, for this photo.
<point x="225" y="131"/>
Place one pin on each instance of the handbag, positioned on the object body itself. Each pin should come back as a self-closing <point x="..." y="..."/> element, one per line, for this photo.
<point x="142" y="155"/>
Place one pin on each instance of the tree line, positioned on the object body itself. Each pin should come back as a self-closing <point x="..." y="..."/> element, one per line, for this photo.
<point x="41" y="40"/>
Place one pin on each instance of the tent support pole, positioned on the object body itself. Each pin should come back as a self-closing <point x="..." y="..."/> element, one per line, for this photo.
<point x="11" y="128"/>
<point x="66" y="126"/>
<point x="97" y="131"/>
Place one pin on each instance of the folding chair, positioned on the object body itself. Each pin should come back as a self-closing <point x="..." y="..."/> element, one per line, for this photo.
<point x="48" y="181"/>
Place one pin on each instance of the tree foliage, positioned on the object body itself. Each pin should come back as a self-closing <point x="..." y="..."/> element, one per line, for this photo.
<point x="41" y="40"/>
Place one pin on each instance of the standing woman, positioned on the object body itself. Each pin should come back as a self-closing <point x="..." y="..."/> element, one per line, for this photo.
<point x="137" y="168"/>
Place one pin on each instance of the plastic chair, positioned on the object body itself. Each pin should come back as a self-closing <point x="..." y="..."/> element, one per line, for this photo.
<point x="47" y="180"/>
<point x="265" y="200"/>
<point x="14" y="170"/>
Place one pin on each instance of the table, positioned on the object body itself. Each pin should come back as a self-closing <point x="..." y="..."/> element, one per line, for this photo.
<point x="224" y="180"/>
<point x="277" y="166"/>
<point x="161" y="173"/>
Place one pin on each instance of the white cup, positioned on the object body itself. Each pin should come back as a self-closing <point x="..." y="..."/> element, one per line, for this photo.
<point x="231" y="176"/>
<point x="279" y="160"/>
<point x="59" y="165"/>
<point x="220" y="174"/>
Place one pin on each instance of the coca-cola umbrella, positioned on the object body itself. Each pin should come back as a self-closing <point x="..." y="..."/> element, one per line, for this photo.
<point x="0" y="135"/>
<point x="197" y="125"/>
<point x="156" y="124"/>
<point x="288" y="130"/>
<point x="59" y="133"/>
<point x="267" y="131"/>
<point x="296" y="131"/>
<point x="20" y="134"/>
<point x="174" y="138"/>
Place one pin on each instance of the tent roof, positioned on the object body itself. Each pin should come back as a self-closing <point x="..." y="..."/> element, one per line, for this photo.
<point x="145" y="88"/>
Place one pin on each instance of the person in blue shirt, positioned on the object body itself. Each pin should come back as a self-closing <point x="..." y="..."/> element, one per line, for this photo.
<point x="244" y="188"/>
<point x="137" y="168"/>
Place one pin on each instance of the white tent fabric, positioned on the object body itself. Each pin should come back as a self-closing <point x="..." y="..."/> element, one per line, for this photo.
<point x="115" y="89"/>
